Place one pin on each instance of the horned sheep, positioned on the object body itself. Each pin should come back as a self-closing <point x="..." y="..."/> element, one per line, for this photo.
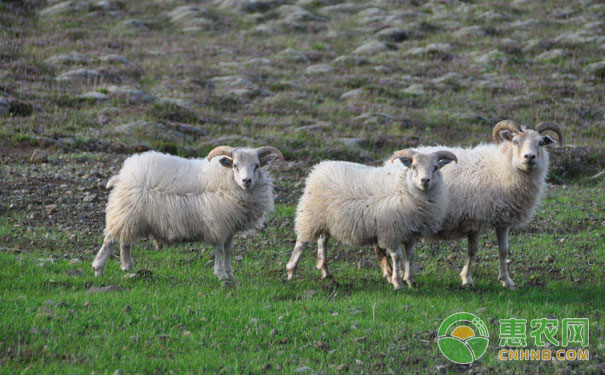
<point x="382" y="206"/>
<point x="494" y="185"/>
<point x="175" y="199"/>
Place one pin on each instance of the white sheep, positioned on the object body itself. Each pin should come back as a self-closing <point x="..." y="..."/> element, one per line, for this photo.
<point x="494" y="185"/>
<point x="383" y="206"/>
<point x="174" y="199"/>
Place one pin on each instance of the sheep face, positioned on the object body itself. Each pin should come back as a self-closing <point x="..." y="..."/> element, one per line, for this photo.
<point x="528" y="152"/>
<point x="424" y="169"/>
<point x="245" y="166"/>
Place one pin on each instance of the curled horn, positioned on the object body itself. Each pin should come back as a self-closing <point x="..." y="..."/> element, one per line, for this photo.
<point x="552" y="126"/>
<point x="445" y="155"/>
<point x="266" y="150"/>
<point x="221" y="150"/>
<point x="505" y="125"/>
<point x="407" y="153"/>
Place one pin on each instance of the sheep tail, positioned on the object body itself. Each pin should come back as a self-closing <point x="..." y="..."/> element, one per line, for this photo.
<point x="112" y="181"/>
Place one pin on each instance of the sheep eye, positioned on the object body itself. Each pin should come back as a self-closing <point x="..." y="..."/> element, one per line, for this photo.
<point x="516" y="143"/>
<point x="235" y="166"/>
<point x="414" y="168"/>
<point x="256" y="167"/>
<point x="541" y="143"/>
<point x="435" y="168"/>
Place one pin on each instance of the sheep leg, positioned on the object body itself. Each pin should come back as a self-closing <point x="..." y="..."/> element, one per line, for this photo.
<point x="396" y="256"/>
<point x="407" y="265"/>
<point x="219" y="255"/>
<point x="503" y="276"/>
<point x="473" y="245"/>
<point x="295" y="258"/>
<point x="322" y="255"/>
<point x="227" y="258"/>
<point x="125" y="258"/>
<point x="98" y="264"/>
<point x="387" y="270"/>
<point x="156" y="243"/>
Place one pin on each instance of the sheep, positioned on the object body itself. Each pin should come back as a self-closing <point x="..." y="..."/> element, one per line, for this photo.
<point x="360" y="205"/>
<point x="494" y="185"/>
<point x="174" y="199"/>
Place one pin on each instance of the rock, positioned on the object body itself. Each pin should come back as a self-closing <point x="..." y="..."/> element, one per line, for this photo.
<point x="525" y="24"/>
<point x="253" y="320"/>
<point x="319" y="69"/>
<point x="598" y="68"/>
<point x="470" y="31"/>
<point x="341" y="367"/>
<point x="4" y="107"/>
<point x="68" y="58"/>
<point x="45" y="311"/>
<point x="88" y="197"/>
<point x="415" y="89"/>
<point x="249" y="6"/>
<point x="433" y="48"/>
<point x="39" y="156"/>
<point x="94" y="96"/>
<point x="351" y="141"/>
<point x="342" y="9"/>
<point x="549" y="258"/>
<point x="84" y="75"/>
<point x="116" y="59"/>
<point x="314" y="127"/>
<point x="440" y="368"/>
<point x="371" y="48"/>
<point x="86" y="304"/>
<point x="352" y="94"/>
<point x="183" y="13"/>
<point x="73" y="272"/>
<point x="472" y="117"/>
<point x="230" y="82"/>
<point x="104" y="289"/>
<point x="303" y="370"/>
<point x="350" y="60"/>
<point x="129" y="94"/>
<point x="451" y="79"/>
<point x="149" y="129"/>
<point x="491" y="57"/>
<point x="65" y="7"/>
<point x="292" y="55"/>
<point x="274" y="332"/>
<point x="393" y="34"/>
<point x="266" y="28"/>
<point x="75" y="261"/>
<point x="134" y="23"/>
<point x="535" y="45"/>
<point x="106" y="5"/>
<point x="551" y="55"/>
<point x="296" y="14"/>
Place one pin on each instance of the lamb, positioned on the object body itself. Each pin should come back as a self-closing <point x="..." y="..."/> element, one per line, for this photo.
<point x="383" y="206"/>
<point x="495" y="185"/>
<point x="174" y="199"/>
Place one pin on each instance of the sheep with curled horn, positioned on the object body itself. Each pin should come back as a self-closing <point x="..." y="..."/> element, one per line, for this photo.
<point x="173" y="199"/>
<point x="494" y="186"/>
<point x="362" y="205"/>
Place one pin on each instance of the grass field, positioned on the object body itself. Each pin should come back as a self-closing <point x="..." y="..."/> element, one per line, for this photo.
<point x="88" y="83"/>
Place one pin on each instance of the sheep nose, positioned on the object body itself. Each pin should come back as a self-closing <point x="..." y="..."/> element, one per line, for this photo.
<point x="425" y="181"/>
<point x="529" y="156"/>
<point x="247" y="181"/>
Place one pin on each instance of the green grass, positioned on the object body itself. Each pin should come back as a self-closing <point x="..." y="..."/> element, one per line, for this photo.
<point x="181" y="319"/>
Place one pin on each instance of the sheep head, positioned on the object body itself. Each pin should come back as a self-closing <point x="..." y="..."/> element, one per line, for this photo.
<point x="245" y="162"/>
<point x="527" y="145"/>
<point x="424" y="169"/>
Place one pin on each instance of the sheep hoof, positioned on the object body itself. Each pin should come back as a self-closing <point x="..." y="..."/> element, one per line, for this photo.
<point x="468" y="283"/>
<point x="507" y="283"/>
<point x="411" y="283"/>
<point x="126" y="267"/>
<point x="98" y="271"/>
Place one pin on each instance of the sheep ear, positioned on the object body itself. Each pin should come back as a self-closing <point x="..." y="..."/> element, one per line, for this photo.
<point x="406" y="162"/>
<point x="268" y="159"/>
<point x="226" y="162"/>
<point x="547" y="140"/>
<point x="507" y="135"/>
